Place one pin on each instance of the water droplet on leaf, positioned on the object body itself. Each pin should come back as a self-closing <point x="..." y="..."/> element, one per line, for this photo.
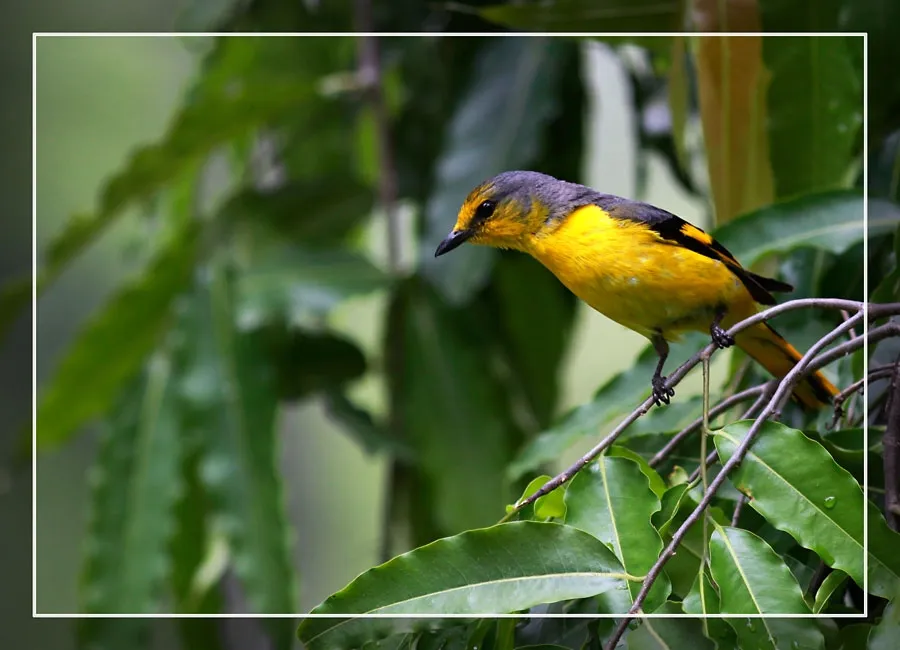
<point x="829" y="502"/>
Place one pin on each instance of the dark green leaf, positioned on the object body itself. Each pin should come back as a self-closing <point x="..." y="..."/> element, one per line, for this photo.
<point x="505" y="568"/>
<point x="669" y="633"/>
<point x="832" y="221"/>
<point x="308" y="362"/>
<point x="360" y="424"/>
<point x="496" y="127"/>
<point x="817" y="502"/>
<point x="302" y="285"/>
<point x="656" y="482"/>
<point x="113" y="344"/>
<point x="547" y="506"/>
<point x="884" y="635"/>
<point x="815" y="107"/>
<point x="458" y="422"/>
<point x="611" y="499"/>
<point x="135" y="485"/>
<point x="231" y="388"/>
<point x="703" y="599"/>
<point x="536" y="313"/>
<point x="832" y="584"/>
<point x="13" y="297"/>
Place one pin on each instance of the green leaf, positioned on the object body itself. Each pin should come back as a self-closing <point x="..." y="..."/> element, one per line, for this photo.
<point x="669" y="633"/>
<point x="535" y="313"/>
<point x="307" y="362"/>
<point x="831" y="221"/>
<point x="371" y="435"/>
<point x="496" y="127"/>
<point x="589" y="16"/>
<point x="505" y="568"/>
<point x="231" y="389"/>
<point x="656" y="482"/>
<point x="815" y="105"/>
<point x="884" y="635"/>
<point x="547" y="506"/>
<point x="302" y="284"/>
<point x="611" y="499"/>
<point x="134" y="488"/>
<point x="829" y="587"/>
<point x="110" y="348"/>
<point x="13" y="298"/>
<point x="332" y="207"/>
<point x="211" y="119"/>
<point x="703" y="599"/>
<point x="752" y="579"/>
<point x="670" y="504"/>
<point x="458" y="422"/>
<point x="817" y="502"/>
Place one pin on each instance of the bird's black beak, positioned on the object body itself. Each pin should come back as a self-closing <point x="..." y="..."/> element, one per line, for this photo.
<point x="453" y="240"/>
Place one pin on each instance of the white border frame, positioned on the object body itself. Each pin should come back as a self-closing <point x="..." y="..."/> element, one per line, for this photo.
<point x="865" y="161"/>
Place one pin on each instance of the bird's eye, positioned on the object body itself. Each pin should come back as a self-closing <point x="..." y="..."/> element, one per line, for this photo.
<point x="485" y="210"/>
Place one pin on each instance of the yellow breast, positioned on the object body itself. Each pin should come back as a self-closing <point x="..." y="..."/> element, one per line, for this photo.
<point x="627" y="272"/>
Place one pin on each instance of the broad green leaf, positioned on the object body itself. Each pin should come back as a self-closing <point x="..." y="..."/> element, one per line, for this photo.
<point x="731" y="87"/>
<point x="884" y="635"/>
<point x="303" y="284"/>
<point x="547" y="506"/>
<point x="830" y="585"/>
<point x="832" y="221"/>
<point x="134" y="488"/>
<point x="703" y="599"/>
<point x="616" y="397"/>
<point x="458" y="422"/>
<point x="590" y="16"/>
<point x="505" y="568"/>
<point x="817" y="502"/>
<point x="110" y="348"/>
<point x="312" y="212"/>
<point x="669" y="505"/>
<point x="611" y="499"/>
<point x="535" y="317"/>
<point x="213" y="118"/>
<point x="497" y="126"/>
<point x="230" y="388"/>
<point x="815" y="103"/>
<point x="752" y="579"/>
<point x="669" y="633"/>
<point x="656" y="482"/>
<point x="845" y="446"/>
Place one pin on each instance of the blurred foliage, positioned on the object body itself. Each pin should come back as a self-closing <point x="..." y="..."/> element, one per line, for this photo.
<point x="189" y="363"/>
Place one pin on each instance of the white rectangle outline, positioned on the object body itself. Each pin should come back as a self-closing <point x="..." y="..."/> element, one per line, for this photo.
<point x="79" y="615"/>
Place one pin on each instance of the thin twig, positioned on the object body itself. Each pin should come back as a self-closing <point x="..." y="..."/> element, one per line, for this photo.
<point x="874" y="311"/>
<point x="881" y="372"/>
<point x="845" y="316"/>
<point x="891" y="443"/>
<point x="736" y="515"/>
<point x="801" y="369"/>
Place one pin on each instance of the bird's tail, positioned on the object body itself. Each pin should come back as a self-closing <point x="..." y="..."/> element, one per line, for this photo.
<point x="769" y="349"/>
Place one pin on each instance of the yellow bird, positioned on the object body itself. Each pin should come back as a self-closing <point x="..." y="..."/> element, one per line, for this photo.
<point x="637" y="264"/>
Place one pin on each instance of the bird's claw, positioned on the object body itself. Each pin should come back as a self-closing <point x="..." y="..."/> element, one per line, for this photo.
<point x="662" y="394"/>
<point x="720" y="337"/>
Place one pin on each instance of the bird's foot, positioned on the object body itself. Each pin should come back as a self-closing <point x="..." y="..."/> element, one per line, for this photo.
<point x="720" y="337"/>
<point x="661" y="393"/>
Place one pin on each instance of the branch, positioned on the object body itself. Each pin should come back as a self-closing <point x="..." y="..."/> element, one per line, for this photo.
<point x="881" y="372"/>
<point x="800" y="370"/>
<point x="874" y="311"/>
<point x="891" y="444"/>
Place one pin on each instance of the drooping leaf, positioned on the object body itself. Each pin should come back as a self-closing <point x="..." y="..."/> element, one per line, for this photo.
<point x="669" y="633"/>
<point x="732" y="85"/>
<point x="831" y="221"/>
<point x="497" y="127"/>
<point x="817" y="502"/>
<point x="815" y="103"/>
<point x="230" y="386"/>
<point x="135" y="485"/>
<point x="112" y="345"/>
<point x="611" y="499"/>
<point x="535" y="314"/>
<point x="458" y="422"/>
<point x="752" y="579"/>
<point x="505" y="568"/>
<point x="303" y="284"/>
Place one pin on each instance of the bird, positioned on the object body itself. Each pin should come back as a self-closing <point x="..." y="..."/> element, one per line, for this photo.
<point x="639" y="265"/>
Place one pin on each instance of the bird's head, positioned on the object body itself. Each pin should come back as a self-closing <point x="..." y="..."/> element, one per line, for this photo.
<point x="503" y="211"/>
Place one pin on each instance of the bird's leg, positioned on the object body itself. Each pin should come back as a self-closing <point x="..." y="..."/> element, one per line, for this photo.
<point x="719" y="336"/>
<point x="661" y="394"/>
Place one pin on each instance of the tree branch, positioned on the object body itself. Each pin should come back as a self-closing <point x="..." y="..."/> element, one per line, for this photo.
<point x="891" y="443"/>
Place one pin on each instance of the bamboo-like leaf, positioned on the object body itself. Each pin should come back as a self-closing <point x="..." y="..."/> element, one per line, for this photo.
<point x="817" y="502"/>
<point x="112" y="345"/>
<point x="134" y="488"/>
<point x="732" y="86"/>
<point x="752" y="579"/>
<point x="496" y="127"/>
<point x="611" y="499"/>
<point x="505" y="568"/>
<point x="231" y="390"/>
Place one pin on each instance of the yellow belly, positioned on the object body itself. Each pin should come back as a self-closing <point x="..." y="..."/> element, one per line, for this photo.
<point x="625" y="271"/>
